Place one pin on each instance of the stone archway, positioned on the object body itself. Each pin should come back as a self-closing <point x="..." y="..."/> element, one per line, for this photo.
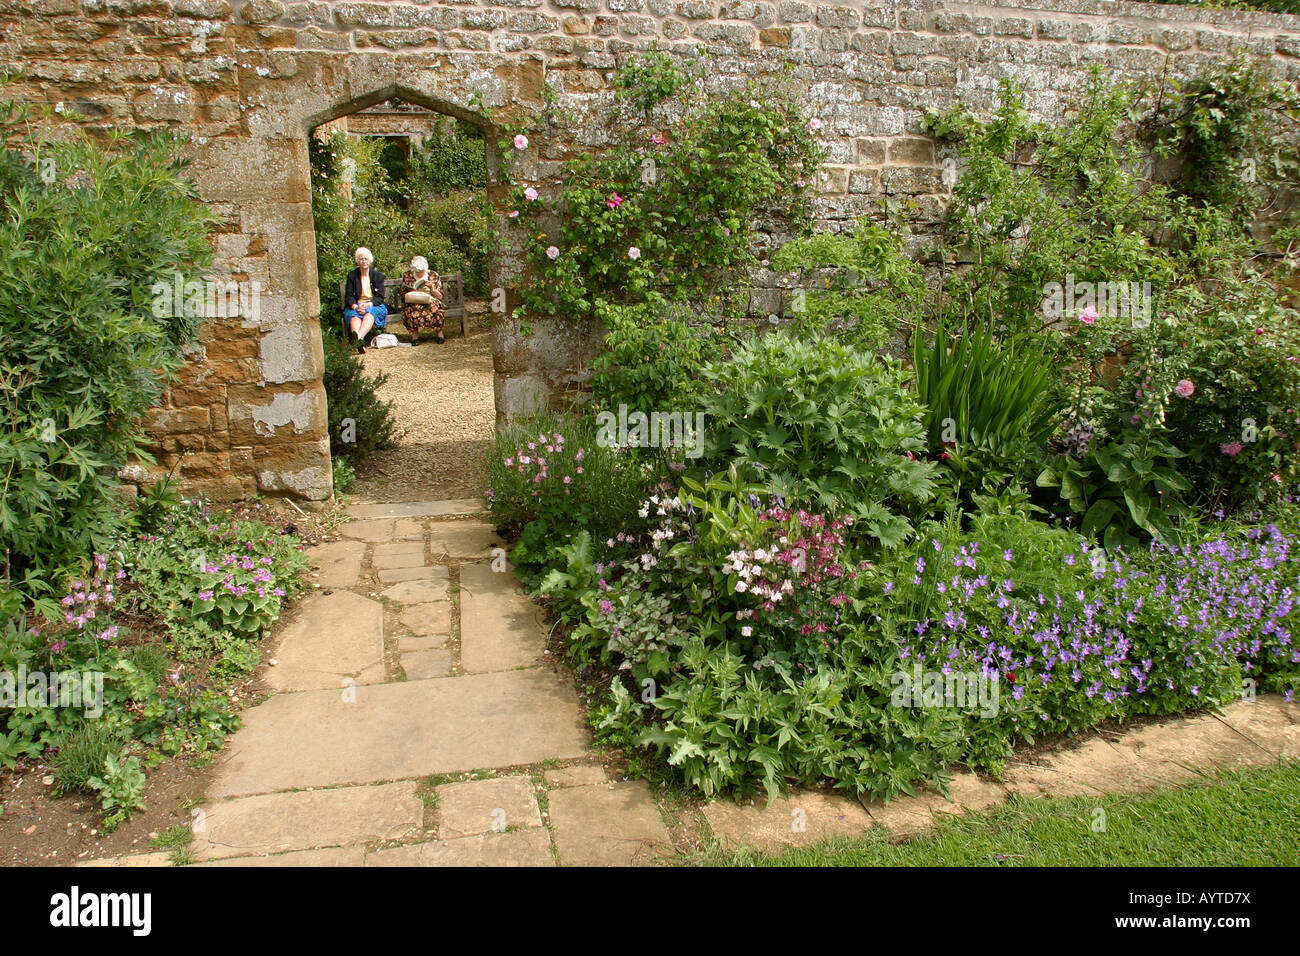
<point x="262" y="373"/>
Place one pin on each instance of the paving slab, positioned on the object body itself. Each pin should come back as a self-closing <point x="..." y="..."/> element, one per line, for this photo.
<point x="368" y="530"/>
<point x="417" y="509"/>
<point x="308" y="819"/>
<point x="419" y="592"/>
<point x="398" y="554"/>
<point x="408" y="529"/>
<point x="902" y="816"/>
<point x="399" y="730"/>
<point x="338" y="563"/>
<point x="966" y="791"/>
<point x="1093" y="768"/>
<point x="421" y="665"/>
<point x="427" y="620"/>
<point x="611" y="825"/>
<point x="800" y="818"/>
<point x="499" y="629"/>
<point x="1185" y="748"/>
<point x="517" y="848"/>
<point x="486" y="806"/>
<point x="466" y="540"/>
<point x="332" y="636"/>
<point x="333" y="856"/>
<point x="418" y="573"/>
<point x="407" y="645"/>
<point x="1270" y="721"/>
<point x="575" y="776"/>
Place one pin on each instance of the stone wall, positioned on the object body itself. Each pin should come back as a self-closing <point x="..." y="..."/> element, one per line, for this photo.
<point x="250" y="80"/>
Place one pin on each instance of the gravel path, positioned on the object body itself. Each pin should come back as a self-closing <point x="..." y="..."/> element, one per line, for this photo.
<point x="445" y="412"/>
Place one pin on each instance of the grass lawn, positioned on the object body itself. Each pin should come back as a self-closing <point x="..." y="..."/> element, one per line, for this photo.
<point x="1249" y="818"/>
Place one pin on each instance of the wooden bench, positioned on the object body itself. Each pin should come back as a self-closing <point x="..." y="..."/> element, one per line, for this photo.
<point x="453" y="299"/>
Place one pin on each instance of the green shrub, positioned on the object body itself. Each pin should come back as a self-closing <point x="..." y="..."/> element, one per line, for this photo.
<point x="360" y="422"/>
<point x="652" y="359"/>
<point x="823" y="424"/>
<point x="81" y="366"/>
<point x="446" y="162"/>
<point x="670" y="215"/>
<point x="454" y="232"/>
<point x="1239" y="426"/>
<point x="869" y="288"/>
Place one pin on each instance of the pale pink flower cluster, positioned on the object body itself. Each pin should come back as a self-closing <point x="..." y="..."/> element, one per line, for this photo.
<point x="749" y="566"/>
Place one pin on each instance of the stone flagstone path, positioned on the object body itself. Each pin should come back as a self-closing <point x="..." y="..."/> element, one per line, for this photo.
<point x="419" y="721"/>
<point x="412" y="670"/>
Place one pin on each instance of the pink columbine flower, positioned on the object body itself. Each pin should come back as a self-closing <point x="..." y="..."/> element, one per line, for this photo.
<point x="1232" y="448"/>
<point x="552" y="253"/>
<point x="657" y="139"/>
<point x="1184" y="388"/>
<point x="530" y="194"/>
<point x="633" y="253"/>
<point x="521" y="141"/>
<point x="1089" y="316"/>
<point x="814" y="124"/>
<point x="614" y="201"/>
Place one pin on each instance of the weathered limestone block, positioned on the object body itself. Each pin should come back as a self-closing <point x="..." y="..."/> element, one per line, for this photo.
<point x="257" y="414"/>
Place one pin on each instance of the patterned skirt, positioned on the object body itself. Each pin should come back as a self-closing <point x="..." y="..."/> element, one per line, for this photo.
<point x="418" y="318"/>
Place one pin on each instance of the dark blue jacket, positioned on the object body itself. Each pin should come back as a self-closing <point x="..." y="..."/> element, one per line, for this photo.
<point x="352" y="291"/>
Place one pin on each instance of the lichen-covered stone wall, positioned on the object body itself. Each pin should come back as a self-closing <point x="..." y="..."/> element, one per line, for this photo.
<point x="250" y="80"/>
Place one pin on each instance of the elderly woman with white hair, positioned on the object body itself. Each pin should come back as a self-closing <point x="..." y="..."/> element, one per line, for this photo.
<point x="363" y="299"/>
<point x="422" y="300"/>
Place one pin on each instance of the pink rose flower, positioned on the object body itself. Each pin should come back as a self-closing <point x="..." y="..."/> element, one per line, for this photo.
<point x="1232" y="448"/>
<point x="530" y="194"/>
<point x="1184" y="388"/>
<point x="521" y="141"/>
<point x="552" y="252"/>
<point x="633" y="252"/>
<point x="1089" y="316"/>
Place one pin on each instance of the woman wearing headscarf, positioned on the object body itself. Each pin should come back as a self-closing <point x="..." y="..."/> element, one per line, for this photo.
<point x="422" y="300"/>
